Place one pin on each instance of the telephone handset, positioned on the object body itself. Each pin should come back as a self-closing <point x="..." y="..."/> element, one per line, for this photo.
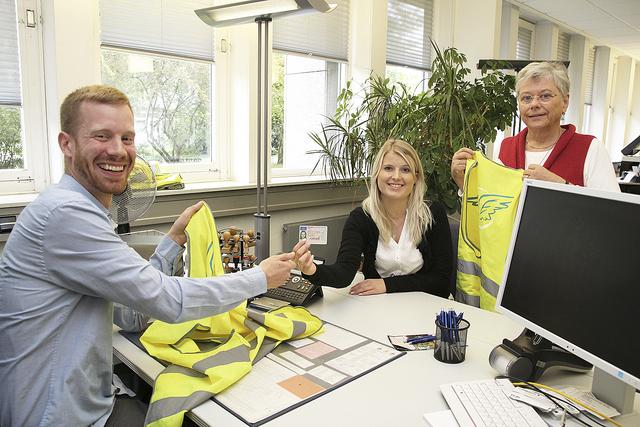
<point x="296" y="290"/>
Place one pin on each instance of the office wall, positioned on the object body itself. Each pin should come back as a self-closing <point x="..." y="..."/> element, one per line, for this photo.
<point x="620" y="106"/>
<point x="278" y="219"/>
<point x="473" y="27"/>
<point x="634" y="115"/>
<point x="235" y="207"/>
<point x="578" y="52"/>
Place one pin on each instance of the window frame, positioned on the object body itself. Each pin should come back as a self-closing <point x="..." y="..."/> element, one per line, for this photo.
<point x="282" y="172"/>
<point x="35" y="175"/>
<point x="196" y="172"/>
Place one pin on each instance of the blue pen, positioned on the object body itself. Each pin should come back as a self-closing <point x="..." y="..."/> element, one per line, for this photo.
<point x="421" y="339"/>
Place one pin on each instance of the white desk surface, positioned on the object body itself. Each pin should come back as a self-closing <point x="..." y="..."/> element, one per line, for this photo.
<point x="397" y="394"/>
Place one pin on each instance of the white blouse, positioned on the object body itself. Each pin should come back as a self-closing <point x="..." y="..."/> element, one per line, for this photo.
<point x="398" y="258"/>
<point x="598" y="169"/>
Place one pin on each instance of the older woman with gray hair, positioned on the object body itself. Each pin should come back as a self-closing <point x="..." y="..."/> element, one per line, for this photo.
<point x="545" y="149"/>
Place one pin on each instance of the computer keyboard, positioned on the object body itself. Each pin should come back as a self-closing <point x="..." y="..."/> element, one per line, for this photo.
<point x="487" y="403"/>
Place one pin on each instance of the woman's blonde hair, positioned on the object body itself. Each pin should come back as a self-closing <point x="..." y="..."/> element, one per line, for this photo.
<point x="542" y="70"/>
<point x="419" y="216"/>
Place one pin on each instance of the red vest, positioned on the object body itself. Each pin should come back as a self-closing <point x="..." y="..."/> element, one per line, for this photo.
<point x="566" y="159"/>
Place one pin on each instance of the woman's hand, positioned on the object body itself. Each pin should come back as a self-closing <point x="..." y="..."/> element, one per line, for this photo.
<point x="459" y="164"/>
<point x="369" y="287"/>
<point x="304" y="258"/>
<point x="542" y="174"/>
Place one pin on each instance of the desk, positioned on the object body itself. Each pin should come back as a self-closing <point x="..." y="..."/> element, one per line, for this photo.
<point x="397" y="394"/>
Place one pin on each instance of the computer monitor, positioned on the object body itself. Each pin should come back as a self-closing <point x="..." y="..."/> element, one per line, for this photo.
<point x="632" y="148"/>
<point x="572" y="276"/>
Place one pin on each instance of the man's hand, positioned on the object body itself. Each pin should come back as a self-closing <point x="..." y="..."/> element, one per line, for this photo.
<point x="304" y="257"/>
<point x="176" y="233"/>
<point x="459" y="164"/>
<point x="277" y="269"/>
<point x="543" y="174"/>
<point x="369" y="287"/>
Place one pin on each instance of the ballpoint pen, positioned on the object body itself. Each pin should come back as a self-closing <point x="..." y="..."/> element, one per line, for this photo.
<point x="420" y="339"/>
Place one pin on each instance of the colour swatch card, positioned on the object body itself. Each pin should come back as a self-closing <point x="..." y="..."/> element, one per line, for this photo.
<point x="299" y="371"/>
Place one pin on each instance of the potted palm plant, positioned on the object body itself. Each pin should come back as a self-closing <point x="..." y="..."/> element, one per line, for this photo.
<point x="454" y="112"/>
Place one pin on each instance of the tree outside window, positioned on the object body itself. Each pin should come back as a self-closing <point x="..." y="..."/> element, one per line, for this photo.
<point x="11" y="150"/>
<point x="171" y="100"/>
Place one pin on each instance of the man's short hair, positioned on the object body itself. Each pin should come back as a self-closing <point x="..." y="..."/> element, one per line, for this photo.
<point x="101" y="94"/>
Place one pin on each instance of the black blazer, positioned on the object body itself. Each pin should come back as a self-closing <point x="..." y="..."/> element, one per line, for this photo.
<point x="360" y="236"/>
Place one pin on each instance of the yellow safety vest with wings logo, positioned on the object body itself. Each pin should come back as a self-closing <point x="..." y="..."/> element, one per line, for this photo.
<point x="208" y="355"/>
<point x="489" y="205"/>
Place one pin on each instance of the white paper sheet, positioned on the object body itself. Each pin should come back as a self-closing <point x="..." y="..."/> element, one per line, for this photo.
<point x="362" y="359"/>
<point x="339" y="338"/>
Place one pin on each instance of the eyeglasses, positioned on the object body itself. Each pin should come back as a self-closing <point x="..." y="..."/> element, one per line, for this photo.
<point x="543" y="98"/>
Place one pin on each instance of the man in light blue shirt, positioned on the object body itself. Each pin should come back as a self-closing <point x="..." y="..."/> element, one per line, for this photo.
<point x="63" y="267"/>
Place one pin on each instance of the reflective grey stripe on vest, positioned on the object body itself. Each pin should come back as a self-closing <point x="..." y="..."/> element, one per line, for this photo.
<point x="175" y="369"/>
<point x="474" y="269"/>
<point x="472" y="300"/>
<point x="235" y="354"/>
<point x="172" y="405"/>
<point x="268" y="344"/>
<point x="299" y="327"/>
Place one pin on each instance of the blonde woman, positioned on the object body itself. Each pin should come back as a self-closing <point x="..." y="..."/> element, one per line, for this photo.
<point x="405" y="241"/>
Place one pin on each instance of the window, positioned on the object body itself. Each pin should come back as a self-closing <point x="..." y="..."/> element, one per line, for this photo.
<point x="564" y="44"/>
<point x="11" y="150"/>
<point x="308" y="73"/>
<point x="171" y="100"/>
<point x="409" y="28"/>
<point x="22" y="124"/>
<point x="304" y="93"/>
<point x="589" y="69"/>
<point x="161" y="56"/>
<point x="413" y="78"/>
<point x="524" y="44"/>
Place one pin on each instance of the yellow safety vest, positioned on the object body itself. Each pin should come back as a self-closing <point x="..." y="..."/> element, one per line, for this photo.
<point x="489" y="205"/>
<point x="208" y="355"/>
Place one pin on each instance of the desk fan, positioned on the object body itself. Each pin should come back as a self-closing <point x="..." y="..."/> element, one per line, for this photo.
<point x="136" y="198"/>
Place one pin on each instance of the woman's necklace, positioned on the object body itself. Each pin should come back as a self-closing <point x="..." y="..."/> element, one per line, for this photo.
<point x="530" y="147"/>
<point x="541" y="162"/>
<point x="548" y="148"/>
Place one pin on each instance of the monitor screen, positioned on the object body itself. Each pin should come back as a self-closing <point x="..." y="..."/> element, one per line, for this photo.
<point x="573" y="273"/>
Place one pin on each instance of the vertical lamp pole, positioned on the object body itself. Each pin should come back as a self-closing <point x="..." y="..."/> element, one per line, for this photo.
<point x="262" y="218"/>
<point x="240" y="12"/>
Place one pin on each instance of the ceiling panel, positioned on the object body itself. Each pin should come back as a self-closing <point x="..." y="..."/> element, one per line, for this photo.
<point x="612" y="22"/>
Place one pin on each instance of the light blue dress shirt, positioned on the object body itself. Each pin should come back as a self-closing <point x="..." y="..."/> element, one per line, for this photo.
<point x="61" y="269"/>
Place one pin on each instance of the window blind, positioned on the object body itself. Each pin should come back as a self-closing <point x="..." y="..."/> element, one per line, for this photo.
<point x="524" y="43"/>
<point x="9" y="56"/>
<point x="564" y="44"/>
<point x="322" y="34"/>
<point x="158" y="26"/>
<point x="589" y="68"/>
<point x="409" y="27"/>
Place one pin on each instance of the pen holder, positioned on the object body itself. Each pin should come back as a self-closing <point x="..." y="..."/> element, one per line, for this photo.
<point x="451" y="343"/>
